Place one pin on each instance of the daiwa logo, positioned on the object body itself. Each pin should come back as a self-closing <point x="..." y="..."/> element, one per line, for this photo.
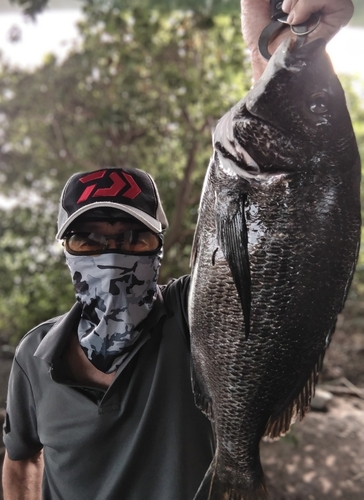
<point x="117" y="183"/>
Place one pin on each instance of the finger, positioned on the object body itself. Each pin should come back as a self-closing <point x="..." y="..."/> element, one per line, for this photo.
<point x="288" y="5"/>
<point x="335" y="13"/>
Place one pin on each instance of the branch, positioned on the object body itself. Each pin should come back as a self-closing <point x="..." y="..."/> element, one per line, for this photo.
<point x="31" y="7"/>
<point x="88" y="165"/>
<point x="174" y="232"/>
<point x="349" y="389"/>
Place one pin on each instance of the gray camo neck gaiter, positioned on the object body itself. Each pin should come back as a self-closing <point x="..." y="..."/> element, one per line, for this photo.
<point x="117" y="292"/>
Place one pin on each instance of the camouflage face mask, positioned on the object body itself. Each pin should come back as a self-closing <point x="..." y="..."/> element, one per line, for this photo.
<point x="117" y="292"/>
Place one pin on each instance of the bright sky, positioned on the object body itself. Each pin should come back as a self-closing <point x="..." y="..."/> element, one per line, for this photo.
<point x="346" y="51"/>
<point x="55" y="31"/>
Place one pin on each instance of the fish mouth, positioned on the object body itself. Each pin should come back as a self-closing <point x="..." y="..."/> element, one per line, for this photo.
<point x="240" y="140"/>
<point x="263" y="147"/>
<point x="239" y="161"/>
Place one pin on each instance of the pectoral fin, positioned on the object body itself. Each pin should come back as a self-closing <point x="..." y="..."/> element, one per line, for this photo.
<point x="233" y="239"/>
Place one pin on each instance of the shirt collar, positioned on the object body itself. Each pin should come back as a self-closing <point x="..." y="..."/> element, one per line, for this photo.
<point x="53" y="344"/>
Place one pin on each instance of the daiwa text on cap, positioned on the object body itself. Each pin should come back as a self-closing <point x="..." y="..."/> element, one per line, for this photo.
<point x="130" y="190"/>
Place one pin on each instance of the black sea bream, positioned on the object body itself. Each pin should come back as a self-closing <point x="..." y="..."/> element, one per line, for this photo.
<point x="274" y="253"/>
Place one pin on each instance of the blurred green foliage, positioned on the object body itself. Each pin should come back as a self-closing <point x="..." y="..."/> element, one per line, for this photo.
<point x="33" y="7"/>
<point x="207" y="6"/>
<point x="144" y="89"/>
<point x="354" y="90"/>
<point x="211" y="7"/>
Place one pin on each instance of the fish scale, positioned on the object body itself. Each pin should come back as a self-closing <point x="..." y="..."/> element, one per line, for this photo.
<point x="274" y="252"/>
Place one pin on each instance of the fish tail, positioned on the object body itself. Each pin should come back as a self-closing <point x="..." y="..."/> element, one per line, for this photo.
<point x="212" y="488"/>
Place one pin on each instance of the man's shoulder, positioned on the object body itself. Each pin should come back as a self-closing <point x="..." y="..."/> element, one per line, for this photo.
<point x="175" y="298"/>
<point x="176" y="286"/>
<point x="36" y="334"/>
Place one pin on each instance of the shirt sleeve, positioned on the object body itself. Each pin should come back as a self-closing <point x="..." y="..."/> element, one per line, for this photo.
<point x="20" y="434"/>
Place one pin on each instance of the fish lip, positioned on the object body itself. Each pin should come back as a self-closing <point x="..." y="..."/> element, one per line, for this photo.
<point x="244" y="160"/>
<point x="249" y="170"/>
<point x="289" y="53"/>
<point x="261" y="170"/>
<point x="252" y="175"/>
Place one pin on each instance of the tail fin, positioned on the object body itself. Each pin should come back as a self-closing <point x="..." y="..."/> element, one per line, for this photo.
<point x="212" y="488"/>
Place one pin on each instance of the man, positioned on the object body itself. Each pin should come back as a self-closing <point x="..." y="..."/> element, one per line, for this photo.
<point x="106" y="391"/>
<point x="100" y="404"/>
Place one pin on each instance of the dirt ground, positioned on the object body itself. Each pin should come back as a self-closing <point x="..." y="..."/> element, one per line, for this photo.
<point x="322" y="457"/>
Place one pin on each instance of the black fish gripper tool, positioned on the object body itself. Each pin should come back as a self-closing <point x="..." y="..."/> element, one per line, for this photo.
<point x="279" y="22"/>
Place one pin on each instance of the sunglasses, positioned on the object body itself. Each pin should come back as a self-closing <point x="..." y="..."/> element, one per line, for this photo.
<point x="132" y="241"/>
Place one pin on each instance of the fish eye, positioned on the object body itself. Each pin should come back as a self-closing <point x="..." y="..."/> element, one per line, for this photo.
<point x="319" y="103"/>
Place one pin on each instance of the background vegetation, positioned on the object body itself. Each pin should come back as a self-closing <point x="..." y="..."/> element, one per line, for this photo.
<point x="33" y="7"/>
<point x="145" y="88"/>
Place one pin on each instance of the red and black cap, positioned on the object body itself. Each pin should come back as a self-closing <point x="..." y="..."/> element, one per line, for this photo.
<point x="129" y="190"/>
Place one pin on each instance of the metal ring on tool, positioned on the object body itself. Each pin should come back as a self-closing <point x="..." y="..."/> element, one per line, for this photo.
<point x="270" y="32"/>
<point x="308" y="30"/>
<point x="283" y="19"/>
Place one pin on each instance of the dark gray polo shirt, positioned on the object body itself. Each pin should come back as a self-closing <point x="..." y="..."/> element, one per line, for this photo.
<point x="142" y="439"/>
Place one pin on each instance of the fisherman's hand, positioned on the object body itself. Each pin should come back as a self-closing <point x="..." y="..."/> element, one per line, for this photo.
<point x="334" y="14"/>
<point x="256" y="16"/>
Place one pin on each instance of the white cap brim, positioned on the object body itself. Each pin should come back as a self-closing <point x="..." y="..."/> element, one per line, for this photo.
<point x="143" y="217"/>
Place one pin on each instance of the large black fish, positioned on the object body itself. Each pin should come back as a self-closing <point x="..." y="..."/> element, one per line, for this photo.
<point x="275" y="249"/>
